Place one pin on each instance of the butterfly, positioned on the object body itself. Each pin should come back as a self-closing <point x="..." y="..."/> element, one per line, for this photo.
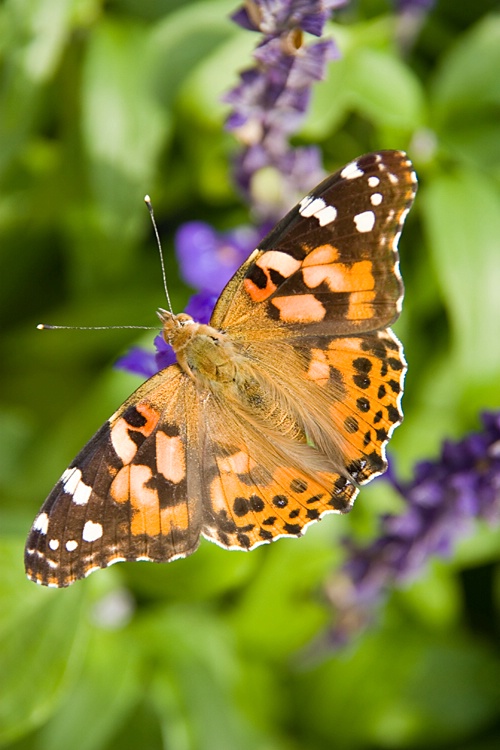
<point x="273" y="415"/>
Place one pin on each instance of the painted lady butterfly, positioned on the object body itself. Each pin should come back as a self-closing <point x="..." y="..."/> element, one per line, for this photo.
<point x="273" y="415"/>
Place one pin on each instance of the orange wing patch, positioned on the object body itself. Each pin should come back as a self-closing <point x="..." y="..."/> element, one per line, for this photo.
<point x="320" y="256"/>
<point x="132" y="485"/>
<point x="270" y="269"/>
<point x="140" y="419"/>
<point x="247" y="514"/>
<point x="170" y="457"/>
<point x="371" y="370"/>
<point x="303" y="308"/>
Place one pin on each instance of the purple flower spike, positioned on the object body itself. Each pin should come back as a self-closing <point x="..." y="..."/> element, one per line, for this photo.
<point x="273" y="17"/>
<point x="444" y="499"/>
<point x="164" y="356"/>
<point x="270" y="101"/>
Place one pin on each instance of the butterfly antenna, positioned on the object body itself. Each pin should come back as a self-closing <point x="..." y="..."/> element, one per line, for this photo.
<point x="147" y="201"/>
<point x="45" y="327"/>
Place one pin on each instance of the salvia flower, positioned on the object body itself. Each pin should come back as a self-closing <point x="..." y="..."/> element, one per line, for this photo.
<point x="269" y="103"/>
<point x="443" y="499"/>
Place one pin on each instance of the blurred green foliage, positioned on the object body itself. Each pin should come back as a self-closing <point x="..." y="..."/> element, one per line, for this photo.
<point x="101" y="103"/>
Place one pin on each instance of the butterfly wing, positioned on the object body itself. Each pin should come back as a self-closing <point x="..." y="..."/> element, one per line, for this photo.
<point x="260" y="484"/>
<point x="331" y="266"/>
<point x="313" y="304"/>
<point x="308" y="313"/>
<point x="128" y="494"/>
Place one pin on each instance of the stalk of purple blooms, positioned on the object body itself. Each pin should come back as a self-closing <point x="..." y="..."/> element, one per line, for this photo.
<point x="444" y="498"/>
<point x="272" y="97"/>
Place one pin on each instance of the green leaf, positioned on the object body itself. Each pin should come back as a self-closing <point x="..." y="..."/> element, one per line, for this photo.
<point x="466" y="95"/>
<point x="202" y="93"/>
<point x="124" y="126"/>
<point x="98" y="703"/>
<point x="190" y="37"/>
<point x="42" y="640"/>
<point x="265" y="619"/>
<point x="469" y="72"/>
<point x="461" y="215"/>
<point x="400" y="688"/>
<point x="369" y="78"/>
<point x="385" y="89"/>
<point x="209" y="573"/>
<point x="195" y="675"/>
<point x="33" y="39"/>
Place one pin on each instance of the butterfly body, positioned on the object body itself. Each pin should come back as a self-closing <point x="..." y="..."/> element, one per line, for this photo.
<point x="274" y="414"/>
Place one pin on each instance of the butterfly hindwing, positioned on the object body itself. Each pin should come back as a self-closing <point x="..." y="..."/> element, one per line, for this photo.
<point x="260" y="484"/>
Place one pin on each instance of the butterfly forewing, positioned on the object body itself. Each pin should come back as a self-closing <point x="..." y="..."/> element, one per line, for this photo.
<point x="331" y="265"/>
<point x="315" y="396"/>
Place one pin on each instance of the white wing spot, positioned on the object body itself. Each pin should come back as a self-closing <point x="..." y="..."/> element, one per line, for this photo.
<point x="74" y="486"/>
<point x="54" y="544"/>
<point x="309" y="206"/>
<point x="82" y="494"/>
<point x="71" y="545"/>
<point x="92" y="531"/>
<point x="52" y="563"/>
<point x="115" y="560"/>
<point x="376" y="199"/>
<point x="365" y="221"/>
<point x="326" y="215"/>
<point x="317" y="207"/>
<point x="41" y="523"/>
<point x="373" y="181"/>
<point x="70" y="479"/>
<point x="304" y="204"/>
<point x="351" y="171"/>
<point x="392" y="178"/>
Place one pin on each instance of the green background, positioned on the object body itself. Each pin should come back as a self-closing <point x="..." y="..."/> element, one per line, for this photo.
<point x="101" y="103"/>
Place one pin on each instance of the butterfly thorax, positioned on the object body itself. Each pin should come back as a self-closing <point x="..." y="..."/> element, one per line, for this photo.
<point x="212" y="360"/>
<point x="203" y="352"/>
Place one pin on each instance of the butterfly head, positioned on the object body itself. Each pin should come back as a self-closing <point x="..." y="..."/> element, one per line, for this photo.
<point x="172" y="324"/>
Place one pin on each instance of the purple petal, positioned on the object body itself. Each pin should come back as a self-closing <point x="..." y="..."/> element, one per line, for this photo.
<point x="138" y="362"/>
<point x="242" y="18"/>
<point x="201" y="306"/>
<point x="164" y="356"/>
<point x="208" y="258"/>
